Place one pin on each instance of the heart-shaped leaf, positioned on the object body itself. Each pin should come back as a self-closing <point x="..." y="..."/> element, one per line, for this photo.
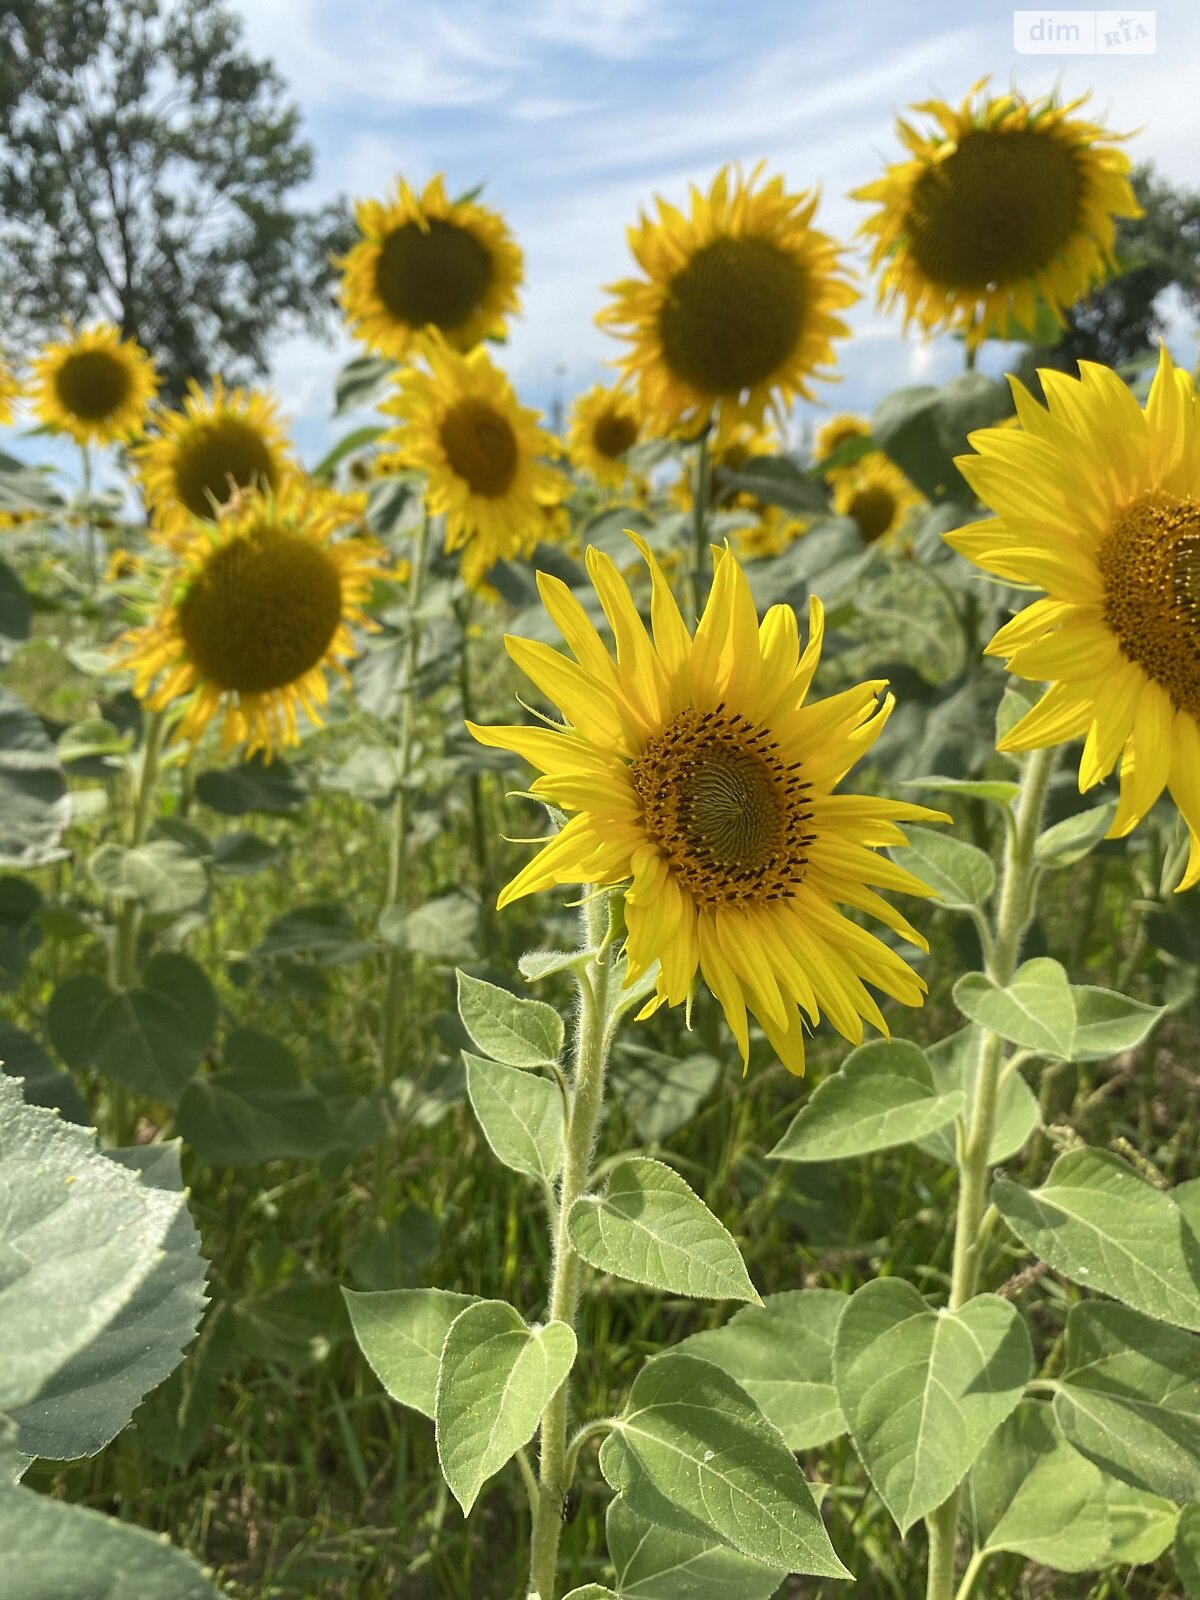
<point x="401" y="1332"/>
<point x="521" y="1115"/>
<point x="923" y="1390"/>
<point x="882" y="1095"/>
<point x="517" y="1031"/>
<point x="1034" y="1010"/>
<point x="649" y="1226"/>
<point x="497" y="1375"/>
<point x="655" y="1563"/>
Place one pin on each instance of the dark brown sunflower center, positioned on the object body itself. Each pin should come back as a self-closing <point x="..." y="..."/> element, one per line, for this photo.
<point x="93" y="385"/>
<point x="262" y="612"/>
<point x="437" y="273"/>
<point x="874" y="509"/>
<point x="1001" y="207"/>
<point x="219" y="458"/>
<point x="732" y="316"/>
<point x="726" y="812"/>
<point x="614" y="433"/>
<point x="1150" y="564"/>
<point x="480" y="447"/>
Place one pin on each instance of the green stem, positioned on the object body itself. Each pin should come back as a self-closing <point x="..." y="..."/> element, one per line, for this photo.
<point x="93" y="566"/>
<point x="479" y="832"/>
<point x="129" y="914"/>
<point x="1012" y="919"/>
<point x="593" y="1030"/>
<point x="396" y="892"/>
<point x="701" y="488"/>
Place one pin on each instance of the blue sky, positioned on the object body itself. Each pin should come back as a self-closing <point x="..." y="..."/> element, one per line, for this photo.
<point x="576" y="112"/>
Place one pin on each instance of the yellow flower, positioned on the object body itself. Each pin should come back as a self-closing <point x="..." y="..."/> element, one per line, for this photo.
<point x="693" y="767"/>
<point x="838" y="431"/>
<point x="123" y="564"/>
<point x="1007" y="202"/>
<point x="876" y="495"/>
<point x="219" y="443"/>
<point x="10" y="390"/>
<point x="461" y="425"/>
<point x="426" y="263"/>
<point x="737" y="305"/>
<point x="1098" y="504"/>
<point x="769" y="534"/>
<point x="605" y="426"/>
<point x="260" y="603"/>
<point x="94" y="385"/>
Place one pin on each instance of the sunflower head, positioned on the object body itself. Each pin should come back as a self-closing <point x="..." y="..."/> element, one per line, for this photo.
<point x="694" y="768"/>
<point x="876" y="496"/>
<point x="605" y="426"/>
<point x="201" y="456"/>
<point x="94" y="385"/>
<point x="839" y="430"/>
<point x="1098" y="504"/>
<point x="260" y="603"/>
<point x="737" y="306"/>
<point x="459" y="422"/>
<point x="1001" y="204"/>
<point x="426" y="264"/>
<point x="769" y="534"/>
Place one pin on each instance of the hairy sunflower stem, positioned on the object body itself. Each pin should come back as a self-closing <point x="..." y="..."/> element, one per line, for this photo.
<point x="129" y="912"/>
<point x="397" y="878"/>
<point x="592" y="1037"/>
<point x="479" y="832"/>
<point x="1012" y="918"/>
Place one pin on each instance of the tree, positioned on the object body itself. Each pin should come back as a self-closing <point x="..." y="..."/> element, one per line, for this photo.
<point x="147" y="165"/>
<point x="1124" y="319"/>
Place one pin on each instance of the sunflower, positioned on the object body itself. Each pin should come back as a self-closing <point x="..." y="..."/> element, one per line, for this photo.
<point x="1006" y="203"/>
<point x="10" y="391"/>
<point x="876" y="495"/>
<point x="605" y="426"/>
<point x="94" y="385"/>
<point x="839" y="430"/>
<point x="122" y="565"/>
<point x="769" y="534"/>
<point x="692" y="767"/>
<point x="260" y="603"/>
<point x="1098" y="504"/>
<point x="217" y="444"/>
<point x="425" y="263"/>
<point x="461" y="425"/>
<point x="737" y="305"/>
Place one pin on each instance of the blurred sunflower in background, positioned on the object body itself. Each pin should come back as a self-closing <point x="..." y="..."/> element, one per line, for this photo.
<point x="839" y="431"/>
<point x="93" y="385"/>
<point x="1098" y="504"/>
<point x="605" y="426"/>
<point x="429" y="264"/>
<point x="737" y="306"/>
<point x="768" y="529"/>
<point x="1006" y="203"/>
<point x="10" y="392"/>
<point x="876" y="495"/>
<point x="201" y="455"/>
<point x="461" y="425"/>
<point x="260" y="605"/>
<point x="692" y="766"/>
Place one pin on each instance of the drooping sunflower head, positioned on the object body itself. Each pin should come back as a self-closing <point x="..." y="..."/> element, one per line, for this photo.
<point x="839" y="430"/>
<point x="605" y="426"/>
<point x="876" y="495"/>
<point x="1098" y="503"/>
<point x="737" y="307"/>
<point x="694" y="768"/>
<point x="94" y="385"/>
<point x="460" y="423"/>
<point x="10" y="393"/>
<point x="260" y="603"/>
<point x="202" y="455"/>
<point x="1004" y="203"/>
<point x="429" y="264"/>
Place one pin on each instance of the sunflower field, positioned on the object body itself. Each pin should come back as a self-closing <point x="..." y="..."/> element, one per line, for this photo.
<point x="610" y="1012"/>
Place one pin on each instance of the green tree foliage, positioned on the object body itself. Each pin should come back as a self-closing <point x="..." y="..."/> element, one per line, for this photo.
<point x="148" y="165"/>
<point x="1124" y="319"/>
